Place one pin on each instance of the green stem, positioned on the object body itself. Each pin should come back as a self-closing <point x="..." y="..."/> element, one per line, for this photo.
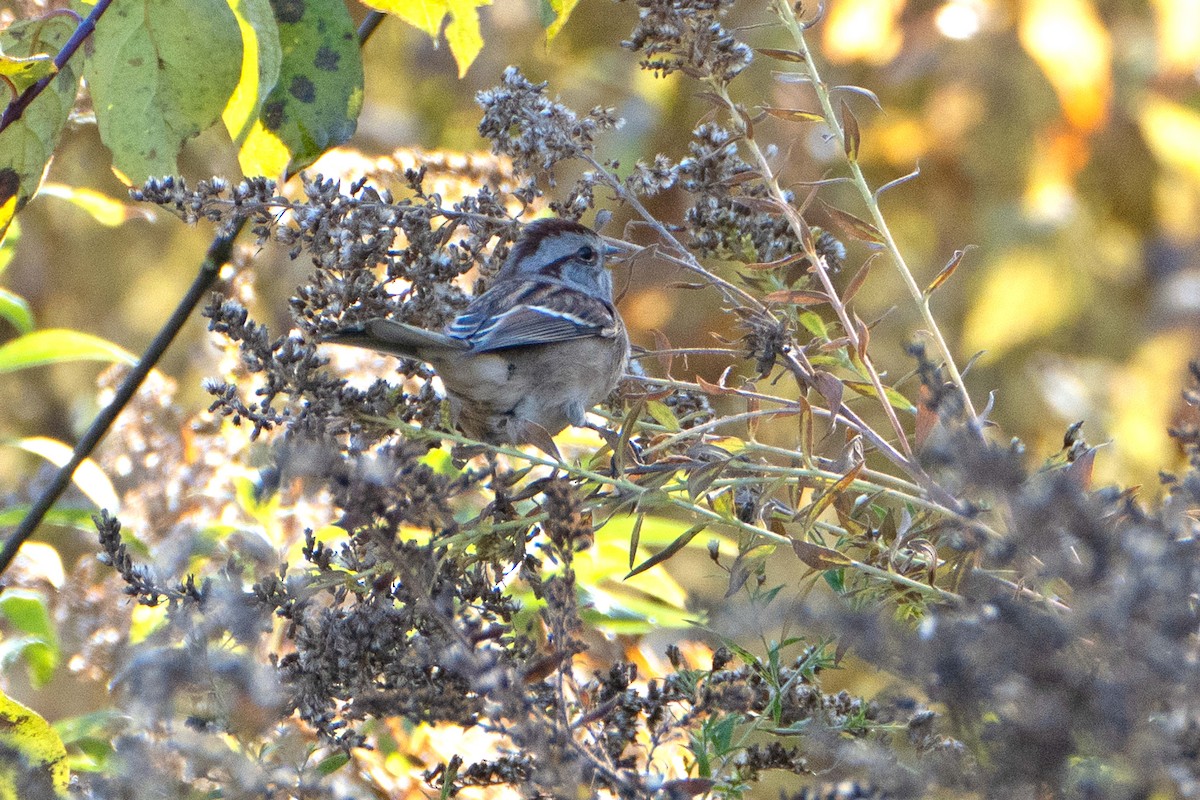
<point x="787" y="14"/>
<point x="693" y="509"/>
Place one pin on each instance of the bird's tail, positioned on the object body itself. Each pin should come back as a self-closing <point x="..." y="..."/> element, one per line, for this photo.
<point x="398" y="339"/>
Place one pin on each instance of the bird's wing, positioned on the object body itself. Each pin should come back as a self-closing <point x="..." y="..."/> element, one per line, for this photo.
<point x="529" y="313"/>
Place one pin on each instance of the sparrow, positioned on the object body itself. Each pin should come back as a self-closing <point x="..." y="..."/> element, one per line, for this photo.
<point x="533" y="353"/>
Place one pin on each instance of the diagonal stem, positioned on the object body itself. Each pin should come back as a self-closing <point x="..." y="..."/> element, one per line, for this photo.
<point x="16" y="108"/>
<point x="218" y="253"/>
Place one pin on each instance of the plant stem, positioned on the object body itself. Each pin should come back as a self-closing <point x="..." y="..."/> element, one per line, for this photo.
<point x="624" y="485"/>
<point x="787" y="14"/>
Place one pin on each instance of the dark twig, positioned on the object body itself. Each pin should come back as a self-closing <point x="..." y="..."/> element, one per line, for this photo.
<point x="17" y="107"/>
<point x="218" y="253"/>
<point x="368" y="25"/>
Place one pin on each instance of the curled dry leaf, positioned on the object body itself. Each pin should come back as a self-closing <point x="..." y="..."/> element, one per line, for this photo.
<point x="858" y="280"/>
<point x="798" y="297"/>
<point x="946" y="272"/>
<point x="854" y="227"/>
<point x="794" y="114"/>
<point x="781" y="55"/>
<point x="786" y="261"/>
<point x="852" y="136"/>
<point x="819" y="557"/>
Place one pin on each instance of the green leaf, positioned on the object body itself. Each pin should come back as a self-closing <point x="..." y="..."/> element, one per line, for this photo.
<point x="462" y="34"/>
<point x="813" y="323"/>
<point x="333" y="763"/>
<point x="27" y="144"/>
<point x="32" y="757"/>
<point x="27" y="612"/>
<point x="668" y="551"/>
<point x="895" y="399"/>
<point x="77" y="518"/>
<point x="262" y="55"/>
<point x="161" y="72"/>
<point x="315" y="103"/>
<point x="39" y="648"/>
<point x="14" y="309"/>
<point x="663" y="415"/>
<point x="58" y="345"/>
<point x="90" y="737"/>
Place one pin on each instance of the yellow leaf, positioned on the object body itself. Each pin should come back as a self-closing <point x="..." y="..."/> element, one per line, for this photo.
<point x="24" y="72"/>
<point x="1050" y="189"/>
<point x="1071" y="45"/>
<point x="263" y="153"/>
<point x="462" y="33"/>
<point x="33" y="761"/>
<point x="108" y="211"/>
<point x="562" y="11"/>
<point x="261" y="57"/>
<point x="1025" y="295"/>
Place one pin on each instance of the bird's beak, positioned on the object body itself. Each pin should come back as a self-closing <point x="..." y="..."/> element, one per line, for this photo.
<point x="610" y="251"/>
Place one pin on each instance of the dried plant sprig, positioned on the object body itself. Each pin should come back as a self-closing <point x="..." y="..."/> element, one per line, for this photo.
<point x="808" y="64"/>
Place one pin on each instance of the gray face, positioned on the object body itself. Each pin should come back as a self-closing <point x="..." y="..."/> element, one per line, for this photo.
<point x="561" y="250"/>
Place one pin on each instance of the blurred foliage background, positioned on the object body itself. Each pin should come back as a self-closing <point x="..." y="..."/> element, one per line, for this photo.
<point x="1060" y="139"/>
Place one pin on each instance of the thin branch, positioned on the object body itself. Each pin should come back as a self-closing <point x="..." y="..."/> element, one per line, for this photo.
<point x="633" y="489"/>
<point x="217" y="255"/>
<point x="16" y="108"/>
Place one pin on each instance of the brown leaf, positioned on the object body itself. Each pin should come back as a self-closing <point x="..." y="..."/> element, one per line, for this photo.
<point x="798" y="297"/>
<point x="926" y="417"/>
<point x="739" y="573"/>
<point x="744" y="176"/>
<point x="683" y="787"/>
<point x="858" y="280"/>
<point x="946" y="272"/>
<point x="794" y="114"/>
<point x="867" y="93"/>
<point x="864" y="337"/>
<point x="831" y="389"/>
<point x="1080" y="470"/>
<point x="663" y="345"/>
<point x="821" y="503"/>
<point x="786" y="261"/>
<point x="807" y="426"/>
<point x="781" y="55"/>
<point x="854" y="227"/>
<point x="701" y="478"/>
<point x="668" y="551"/>
<point x="753" y="405"/>
<point x="713" y="388"/>
<point x="850" y="128"/>
<point x="818" y="557"/>
<point x="764" y="204"/>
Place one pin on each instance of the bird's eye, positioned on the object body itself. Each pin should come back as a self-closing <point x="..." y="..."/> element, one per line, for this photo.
<point x="587" y="253"/>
